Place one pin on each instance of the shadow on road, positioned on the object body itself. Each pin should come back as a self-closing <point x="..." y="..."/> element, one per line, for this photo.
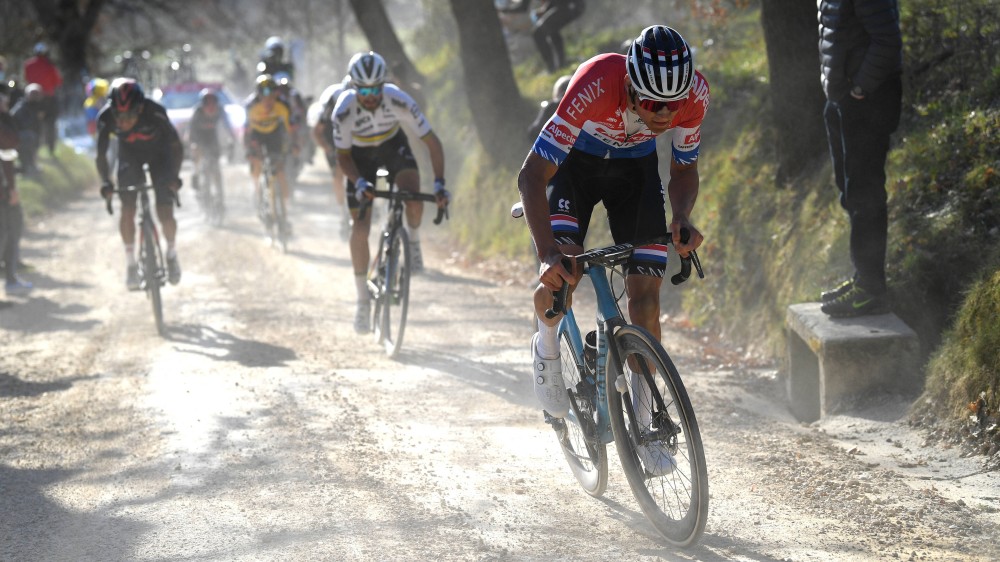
<point x="212" y="342"/>
<point x="11" y="386"/>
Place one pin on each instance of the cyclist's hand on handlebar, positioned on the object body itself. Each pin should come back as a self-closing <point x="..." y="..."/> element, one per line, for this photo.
<point x="694" y="239"/>
<point x="442" y="195"/>
<point x="107" y="189"/>
<point x="553" y="273"/>
<point x="363" y="189"/>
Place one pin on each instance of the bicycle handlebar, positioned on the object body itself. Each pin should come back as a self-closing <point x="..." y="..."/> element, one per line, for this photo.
<point x="134" y="188"/>
<point x="442" y="212"/>
<point x="612" y="255"/>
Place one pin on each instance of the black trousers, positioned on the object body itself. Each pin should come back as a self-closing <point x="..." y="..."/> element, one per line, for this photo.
<point x="859" y="132"/>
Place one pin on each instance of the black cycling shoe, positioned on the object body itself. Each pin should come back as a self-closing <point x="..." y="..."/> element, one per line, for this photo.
<point x="856" y="302"/>
<point x="836" y="292"/>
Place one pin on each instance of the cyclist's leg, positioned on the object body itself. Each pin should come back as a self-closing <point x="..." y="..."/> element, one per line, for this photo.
<point x="398" y="159"/>
<point x="129" y="173"/>
<point x="255" y="158"/>
<point x="367" y="165"/>
<point x="636" y="212"/>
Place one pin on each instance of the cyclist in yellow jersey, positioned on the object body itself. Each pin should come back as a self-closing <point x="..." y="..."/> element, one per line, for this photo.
<point x="268" y="126"/>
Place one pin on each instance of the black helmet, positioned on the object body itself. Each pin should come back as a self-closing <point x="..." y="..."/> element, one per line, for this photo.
<point x="208" y="94"/>
<point x="660" y="64"/>
<point x="126" y="96"/>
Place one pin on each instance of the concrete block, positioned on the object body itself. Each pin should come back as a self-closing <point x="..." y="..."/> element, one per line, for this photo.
<point x="832" y="360"/>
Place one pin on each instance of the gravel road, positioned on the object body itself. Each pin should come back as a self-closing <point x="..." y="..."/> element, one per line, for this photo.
<point x="262" y="428"/>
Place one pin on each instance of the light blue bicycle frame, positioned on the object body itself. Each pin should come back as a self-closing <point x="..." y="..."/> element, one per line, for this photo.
<point x="608" y="317"/>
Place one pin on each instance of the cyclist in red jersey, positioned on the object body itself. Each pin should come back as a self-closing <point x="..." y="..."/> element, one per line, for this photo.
<point x="600" y="147"/>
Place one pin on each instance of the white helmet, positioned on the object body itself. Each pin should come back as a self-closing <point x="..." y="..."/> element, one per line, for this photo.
<point x="660" y="64"/>
<point x="367" y="69"/>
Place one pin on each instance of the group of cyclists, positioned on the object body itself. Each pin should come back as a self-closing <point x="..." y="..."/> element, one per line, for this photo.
<point x="599" y="146"/>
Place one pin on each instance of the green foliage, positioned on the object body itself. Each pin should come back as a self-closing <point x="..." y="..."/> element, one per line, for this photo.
<point x="59" y="180"/>
<point x="968" y="363"/>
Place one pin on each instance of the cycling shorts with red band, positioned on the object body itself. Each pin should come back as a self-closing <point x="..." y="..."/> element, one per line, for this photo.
<point x="632" y="194"/>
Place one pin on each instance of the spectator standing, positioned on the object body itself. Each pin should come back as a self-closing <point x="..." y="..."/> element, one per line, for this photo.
<point x="549" y="19"/>
<point x="40" y="70"/>
<point x="29" y="117"/>
<point x="860" y="47"/>
<point x="11" y="214"/>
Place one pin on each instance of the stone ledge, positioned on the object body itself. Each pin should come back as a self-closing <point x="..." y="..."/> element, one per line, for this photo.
<point x="832" y="359"/>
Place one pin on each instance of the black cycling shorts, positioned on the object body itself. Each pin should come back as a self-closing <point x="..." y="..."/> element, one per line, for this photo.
<point x="632" y="193"/>
<point x="394" y="155"/>
<point x="274" y="141"/>
<point x="130" y="173"/>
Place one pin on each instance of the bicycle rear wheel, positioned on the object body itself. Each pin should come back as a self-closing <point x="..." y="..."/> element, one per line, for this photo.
<point x="264" y="209"/>
<point x="672" y="491"/>
<point x="394" y="294"/>
<point x="586" y="454"/>
<point x="151" y="272"/>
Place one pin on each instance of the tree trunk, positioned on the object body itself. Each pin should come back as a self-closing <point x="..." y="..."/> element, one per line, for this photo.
<point x="797" y="98"/>
<point x="69" y="27"/>
<point x="374" y="21"/>
<point x="499" y="113"/>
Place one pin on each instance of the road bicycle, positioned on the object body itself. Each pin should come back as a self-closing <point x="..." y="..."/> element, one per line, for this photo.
<point x="211" y="191"/>
<point x="270" y="204"/>
<point x="623" y="387"/>
<point x="151" y="265"/>
<point x="389" y="275"/>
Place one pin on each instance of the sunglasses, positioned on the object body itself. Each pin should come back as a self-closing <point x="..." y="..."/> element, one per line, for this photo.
<point x="370" y="91"/>
<point x="655" y="106"/>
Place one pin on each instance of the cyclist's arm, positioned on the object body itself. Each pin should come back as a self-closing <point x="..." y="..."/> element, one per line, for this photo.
<point x="103" y="139"/>
<point x="437" y="153"/>
<point x="682" y="191"/>
<point x="531" y="181"/>
<point x="347" y="166"/>
<point x="319" y="135"/>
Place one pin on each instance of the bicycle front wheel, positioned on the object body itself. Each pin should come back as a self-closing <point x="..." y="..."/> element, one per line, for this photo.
<point x="657" y="437"/>
<point x="151" y="265"/>
<point x="394" y="294"/>
<point x="586" y="454"/>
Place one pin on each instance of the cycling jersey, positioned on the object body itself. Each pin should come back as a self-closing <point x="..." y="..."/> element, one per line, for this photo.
<point x="353" y="125"/>
<point x="204" y="128"/>
<point x="262" y="119"/>
<point x="152" y="140"/>
<point x="593" y="117"/>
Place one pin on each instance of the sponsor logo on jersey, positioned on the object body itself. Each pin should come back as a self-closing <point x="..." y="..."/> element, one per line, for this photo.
<point x="560" y="133"/>
<point x="693" y="138"/>
<point x="138" y="137"/>
<point x="584" y="97"/>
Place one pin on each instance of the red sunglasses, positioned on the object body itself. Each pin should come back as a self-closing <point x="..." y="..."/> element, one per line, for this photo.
<point x="655" y="106"/>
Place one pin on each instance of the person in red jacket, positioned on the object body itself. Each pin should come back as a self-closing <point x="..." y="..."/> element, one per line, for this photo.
<point x="40" y="70"/>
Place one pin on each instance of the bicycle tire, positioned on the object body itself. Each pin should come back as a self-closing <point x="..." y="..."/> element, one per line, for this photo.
<point x="151" y="266"/>
<point x="216" y="197"/>
<point x="264" y="204"/>
<point x="281" y="219"/>
<point x="395" y="293"/>
<point x="676" y="503"/>
<point x="585" y="453"/>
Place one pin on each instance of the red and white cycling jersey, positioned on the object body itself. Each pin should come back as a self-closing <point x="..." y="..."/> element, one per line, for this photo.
<point x="353" y="125"/>
<point x="593" y="117"/>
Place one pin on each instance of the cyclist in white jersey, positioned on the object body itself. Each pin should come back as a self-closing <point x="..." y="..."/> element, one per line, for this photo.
<point x="367" y="134"/>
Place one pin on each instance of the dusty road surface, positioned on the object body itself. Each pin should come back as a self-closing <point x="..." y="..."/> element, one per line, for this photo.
<point x="262" y="428"/>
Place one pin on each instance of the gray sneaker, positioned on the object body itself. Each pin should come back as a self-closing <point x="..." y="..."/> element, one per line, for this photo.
<point x="656" y="459"/>
<point x="173" y="270"/>
<point x="416" y="257"/>
<point x="132" y="277"/>
<point x="550" y="388"/>
<point x="362" y="318"/>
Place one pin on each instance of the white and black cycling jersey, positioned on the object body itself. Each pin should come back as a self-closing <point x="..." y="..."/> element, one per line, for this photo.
<point x="353" y="125"/>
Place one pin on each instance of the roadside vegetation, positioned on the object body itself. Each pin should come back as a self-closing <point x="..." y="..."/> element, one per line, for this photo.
<point x="59" y="179"/>
<point x="769" y="246"/>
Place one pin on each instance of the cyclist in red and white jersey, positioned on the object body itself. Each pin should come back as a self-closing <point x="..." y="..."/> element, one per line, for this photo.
<point x="600" y="147"/>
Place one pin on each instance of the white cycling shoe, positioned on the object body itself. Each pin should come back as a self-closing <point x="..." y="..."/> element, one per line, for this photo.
<point x="656" y="459"/>
<point x="550" y="389"/>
